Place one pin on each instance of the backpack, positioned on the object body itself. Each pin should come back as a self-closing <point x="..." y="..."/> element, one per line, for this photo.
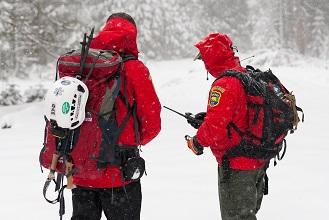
<point x="95" y="68"/>
<point x="272" y="114"/>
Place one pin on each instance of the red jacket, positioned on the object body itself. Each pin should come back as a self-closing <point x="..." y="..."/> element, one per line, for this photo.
<point x="119" y="35"/>
<point x="226" y="103"/>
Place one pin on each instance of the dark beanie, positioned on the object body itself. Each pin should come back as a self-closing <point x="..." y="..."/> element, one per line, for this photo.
<point x="122" y="15"/>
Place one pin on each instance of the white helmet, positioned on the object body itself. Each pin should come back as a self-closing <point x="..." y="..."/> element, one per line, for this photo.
<point x="65" y="102"/>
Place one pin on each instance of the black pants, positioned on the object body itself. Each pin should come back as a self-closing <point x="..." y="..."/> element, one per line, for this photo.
<point x="88" y="203"/>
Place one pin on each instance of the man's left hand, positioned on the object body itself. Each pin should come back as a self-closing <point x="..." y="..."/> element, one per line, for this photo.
<point x="196" y="148"/>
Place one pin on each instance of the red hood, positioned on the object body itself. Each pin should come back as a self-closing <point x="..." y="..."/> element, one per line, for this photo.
<point x="217" y="54"/>
<point x="119" y="35"/>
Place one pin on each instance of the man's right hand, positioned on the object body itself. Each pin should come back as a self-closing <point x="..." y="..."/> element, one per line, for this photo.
<point x="198" y="120"/>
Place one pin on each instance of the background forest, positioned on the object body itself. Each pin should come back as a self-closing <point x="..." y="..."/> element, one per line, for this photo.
<point x="34" y="33"/>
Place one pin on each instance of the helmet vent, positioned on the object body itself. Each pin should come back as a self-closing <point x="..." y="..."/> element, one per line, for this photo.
<point x="75" y="123"/>
<point x="73" y="106"/>
<point x="81" y="89"/>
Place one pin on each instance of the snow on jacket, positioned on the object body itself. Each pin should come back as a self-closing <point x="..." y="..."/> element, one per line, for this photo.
<point x="119" y="35"/>
<point x="226" y="102"/>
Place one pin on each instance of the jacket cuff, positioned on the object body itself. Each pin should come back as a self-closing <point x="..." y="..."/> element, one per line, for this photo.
<point x="203" y="144"/>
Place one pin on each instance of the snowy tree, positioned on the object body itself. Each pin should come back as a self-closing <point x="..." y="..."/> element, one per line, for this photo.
<point x="301" y="26"/>
<point x="178" y="28"/>
<point x="35" y="93"/>
<point x="11" y="96"/>
<point x="34" y="32"/>
<point x="228" y="17"/>
<point x="319" y="32"/>
<point x="264" y="33"/>
<point x="165" y="27"/>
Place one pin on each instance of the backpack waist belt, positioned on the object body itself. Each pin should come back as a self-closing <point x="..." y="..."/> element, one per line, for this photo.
<point x="128" y="151"/>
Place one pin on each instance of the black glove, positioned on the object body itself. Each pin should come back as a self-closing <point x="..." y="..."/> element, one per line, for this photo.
<point x="197" y="120"/>
<point x="194" y="145"/>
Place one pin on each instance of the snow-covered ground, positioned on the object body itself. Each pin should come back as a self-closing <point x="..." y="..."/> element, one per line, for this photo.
<point x="180" y="185"/>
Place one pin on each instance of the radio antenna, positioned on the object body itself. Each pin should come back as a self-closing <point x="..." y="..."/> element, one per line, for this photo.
<point x="247" y="58"/>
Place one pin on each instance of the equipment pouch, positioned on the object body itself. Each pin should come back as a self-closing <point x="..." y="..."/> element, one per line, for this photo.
<point x="134" y="168"/>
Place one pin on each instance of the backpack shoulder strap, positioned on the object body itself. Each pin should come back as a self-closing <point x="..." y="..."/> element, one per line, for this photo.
<point x="244" y="78"/>
<point x="126" y="58"/>
<point x="131" y="109"/>
<point x="232" y="73"/>
<point x="111" y="94"/>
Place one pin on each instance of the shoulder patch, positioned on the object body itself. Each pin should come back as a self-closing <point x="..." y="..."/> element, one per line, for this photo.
<point x="214" y="98"/>
<point x="218" y="88"/>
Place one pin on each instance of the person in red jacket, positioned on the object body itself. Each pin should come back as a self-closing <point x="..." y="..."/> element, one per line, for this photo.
<point x="241" y="195"/>
<point x="107" y="192"/>
<point x="92" y="196"/>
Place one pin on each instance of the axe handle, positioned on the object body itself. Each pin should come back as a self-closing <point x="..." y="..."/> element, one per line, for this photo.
<point x="53" y="165"/>
<point x="68" y="168"/>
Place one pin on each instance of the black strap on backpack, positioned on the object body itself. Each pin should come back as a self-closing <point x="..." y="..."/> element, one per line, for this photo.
<point x="109" y="149"/>
<point x="126" y="58"/>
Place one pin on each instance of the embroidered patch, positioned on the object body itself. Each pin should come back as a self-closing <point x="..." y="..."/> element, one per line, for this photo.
<point x="218" y="88"/>
<point x="214" y="98"/>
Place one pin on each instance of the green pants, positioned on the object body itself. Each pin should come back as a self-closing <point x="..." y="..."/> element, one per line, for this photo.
<point x="241" y="196"/>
